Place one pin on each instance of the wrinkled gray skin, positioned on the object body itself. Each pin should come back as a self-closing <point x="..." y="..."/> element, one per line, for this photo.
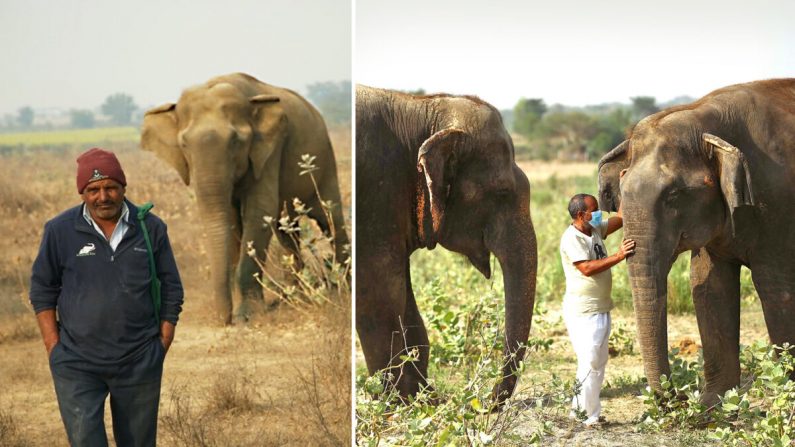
<point x="435" y="169"/>
<point x="715" y="178"/>
<point x="238" y="141"/>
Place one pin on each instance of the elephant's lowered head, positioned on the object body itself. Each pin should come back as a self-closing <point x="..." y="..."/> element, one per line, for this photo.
<point x="239" y="142"/>
<point x="473" y="199"/>
<point x="222" y="129"/>
<point x="683" y="187"/>
<point x="220" y="137"/>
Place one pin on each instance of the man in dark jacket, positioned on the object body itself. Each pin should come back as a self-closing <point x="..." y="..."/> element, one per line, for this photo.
<point x="93" y="270"/>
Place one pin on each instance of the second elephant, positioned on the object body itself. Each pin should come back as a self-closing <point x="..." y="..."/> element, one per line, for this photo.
<point x="715" y="178"/>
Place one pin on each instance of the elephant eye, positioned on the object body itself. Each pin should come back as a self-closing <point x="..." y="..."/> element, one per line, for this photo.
<point x="673" y="196"/>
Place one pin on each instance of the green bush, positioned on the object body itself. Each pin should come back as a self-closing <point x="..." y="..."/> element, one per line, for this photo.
<point x="758" y="412"/>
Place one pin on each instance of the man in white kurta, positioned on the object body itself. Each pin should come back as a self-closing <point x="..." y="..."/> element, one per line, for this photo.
<point x="587" y="302"/>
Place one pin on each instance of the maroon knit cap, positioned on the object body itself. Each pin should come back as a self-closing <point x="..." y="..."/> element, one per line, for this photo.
<point x="98" y="164"/>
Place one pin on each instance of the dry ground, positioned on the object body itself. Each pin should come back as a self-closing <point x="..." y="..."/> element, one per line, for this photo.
<point x="282" y="379"/>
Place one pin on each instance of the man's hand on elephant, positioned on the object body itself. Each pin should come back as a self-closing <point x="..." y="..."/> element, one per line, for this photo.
<point x="627" y="248"/>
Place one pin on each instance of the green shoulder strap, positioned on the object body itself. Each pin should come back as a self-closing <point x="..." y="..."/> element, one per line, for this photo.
<point x="154" y="288"/>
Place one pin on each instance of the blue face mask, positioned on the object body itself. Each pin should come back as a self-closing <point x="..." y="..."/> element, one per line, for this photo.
<point x="596" y="218"/>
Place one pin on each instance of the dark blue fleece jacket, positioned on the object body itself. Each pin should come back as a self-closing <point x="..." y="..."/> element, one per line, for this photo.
<point x="102" y="297"/>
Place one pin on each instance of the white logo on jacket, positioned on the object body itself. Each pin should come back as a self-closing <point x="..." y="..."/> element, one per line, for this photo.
<point x="87" y="250"/>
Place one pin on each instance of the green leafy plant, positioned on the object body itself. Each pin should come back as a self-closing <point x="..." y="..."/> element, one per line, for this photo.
<point x="621" y="341"/>
<point x="758" y="412"/>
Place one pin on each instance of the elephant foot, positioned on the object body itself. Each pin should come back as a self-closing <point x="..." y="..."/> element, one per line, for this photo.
<point x="240" y="319"/>
<point x="245" y="311"/>
<point x="710" y="399"/>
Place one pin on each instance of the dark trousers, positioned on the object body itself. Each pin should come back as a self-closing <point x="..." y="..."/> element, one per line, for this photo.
<point x="134" y="389"/>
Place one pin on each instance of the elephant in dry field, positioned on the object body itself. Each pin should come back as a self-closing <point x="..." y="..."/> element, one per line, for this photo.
<point x="239" y="142"/>
<point x="716" y="178"/>
<point x="434" y="170"/>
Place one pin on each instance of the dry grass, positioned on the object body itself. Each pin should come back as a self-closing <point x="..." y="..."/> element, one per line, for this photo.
<point x="284" y="379"/>
<point x="10" y="433"/>
<point x="542" y="170"/>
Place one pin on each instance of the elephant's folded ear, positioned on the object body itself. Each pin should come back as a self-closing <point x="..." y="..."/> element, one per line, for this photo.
<point x="433" y="161"/>
<point x="610" y="167"/>
<point x="735" y="177"/>
<point x="270" y="122"/>
<point x="159" y="135"/>
<point x="262" y="99"/>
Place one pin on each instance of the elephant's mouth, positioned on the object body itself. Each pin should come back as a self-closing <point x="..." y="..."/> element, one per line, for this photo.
<point x="481" y="259"/>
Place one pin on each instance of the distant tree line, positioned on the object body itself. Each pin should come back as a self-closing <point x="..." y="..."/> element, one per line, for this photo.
<point x="119" y="109"/>
<point x="333" y="99"/>
<point x="575" y="133"/>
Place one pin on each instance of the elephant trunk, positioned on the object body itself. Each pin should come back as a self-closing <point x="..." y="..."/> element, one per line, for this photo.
<point x="518" y="259"/>
<point x="214" y="200"/>
<point x="648" y="272"/>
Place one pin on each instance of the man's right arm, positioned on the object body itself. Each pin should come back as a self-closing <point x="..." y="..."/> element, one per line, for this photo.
<point x="48" y="328"/>
<point x="45" y="286"/>
<point x="595" y="266"/>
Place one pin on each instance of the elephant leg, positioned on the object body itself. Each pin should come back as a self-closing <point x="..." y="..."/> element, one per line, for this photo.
<point x="387" y="321"/>
<point x="251" y="293"/>
<point x="260" y="202"/>
<point x="776" y="290"/>
<point x="716" y="294"/>
<point x="414" y="374"/>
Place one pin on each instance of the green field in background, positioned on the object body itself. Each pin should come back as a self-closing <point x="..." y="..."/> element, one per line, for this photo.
<point x="72" y="136"/>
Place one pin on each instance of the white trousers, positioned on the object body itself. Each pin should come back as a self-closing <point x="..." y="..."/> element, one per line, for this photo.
<point x="589" y="336"/>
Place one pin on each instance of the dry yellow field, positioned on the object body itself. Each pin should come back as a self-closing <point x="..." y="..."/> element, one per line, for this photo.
<point x="283" y="379"/>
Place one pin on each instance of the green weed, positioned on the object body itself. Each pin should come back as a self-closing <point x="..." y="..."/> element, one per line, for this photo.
<point x="758" y="412"/>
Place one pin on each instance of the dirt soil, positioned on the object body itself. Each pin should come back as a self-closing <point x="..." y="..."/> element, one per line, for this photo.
<point x="247" y="376"/>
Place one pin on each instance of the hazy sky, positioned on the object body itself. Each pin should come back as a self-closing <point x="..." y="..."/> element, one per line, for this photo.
<point x="572" y="52"/>
<point x="70" y="53"/>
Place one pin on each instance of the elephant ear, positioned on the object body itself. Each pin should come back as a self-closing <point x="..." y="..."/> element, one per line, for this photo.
<point x="735" y="177"/>
<point x="270" y="122"/>
<point x="434" y="161"/>
<point x="610" y="167"/>
<point x="159" y="135"/>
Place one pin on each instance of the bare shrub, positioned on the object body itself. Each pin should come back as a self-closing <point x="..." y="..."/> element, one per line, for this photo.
<point x="183" y="426"/>
<point x="10" y="434"/>
<point x="325" y="390"/>
<point x="232" y="392"/>
<point x="321" y="292"/>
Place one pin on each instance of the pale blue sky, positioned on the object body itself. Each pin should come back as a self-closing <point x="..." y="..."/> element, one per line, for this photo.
<point x="572" y="52"/>
<point x="74" y="53"/>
